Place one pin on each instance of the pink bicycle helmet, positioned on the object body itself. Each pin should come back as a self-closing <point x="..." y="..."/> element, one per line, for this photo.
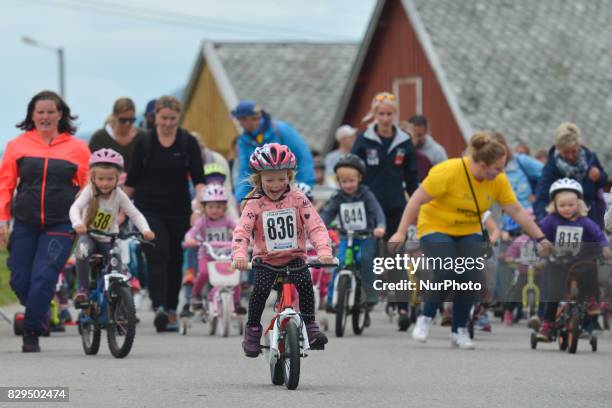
<point x="213" y="192"/>
<point x="272" y="156"/>
<point x="106" y="156"/>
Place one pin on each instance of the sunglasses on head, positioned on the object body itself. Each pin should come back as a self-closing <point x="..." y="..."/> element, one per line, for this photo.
<point x="126" y="121"/>
<point x="385" y="95"/>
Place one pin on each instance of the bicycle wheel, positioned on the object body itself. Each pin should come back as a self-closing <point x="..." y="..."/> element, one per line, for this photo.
<point x="593" y="343"/>
<point x="291" y="358"/>
<point x="121" y="328"/>
<point x="226" y="315"/>
<point x="358" y="314"/>
<point x="562" y="340"/>
<point x="90" y="331"/>
<point x="342" y="305"/>
<point x="573" y="331"/>
<point x="212" y="325"/>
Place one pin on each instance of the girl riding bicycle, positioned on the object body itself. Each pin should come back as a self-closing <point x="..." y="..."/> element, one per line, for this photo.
<point x="279" y="218"/>
<point x="213" y="226"/>
<point x="568" y="226"/>
<point x="97" y="207"/>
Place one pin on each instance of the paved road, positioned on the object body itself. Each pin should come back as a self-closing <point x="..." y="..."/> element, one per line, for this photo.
<point x="382" y="368"/>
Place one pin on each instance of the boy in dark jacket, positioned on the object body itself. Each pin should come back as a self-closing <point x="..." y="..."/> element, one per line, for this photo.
<point x="357" y="210"/>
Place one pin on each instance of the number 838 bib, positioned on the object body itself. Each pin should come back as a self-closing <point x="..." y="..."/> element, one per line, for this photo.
<point x="280" y="229"/>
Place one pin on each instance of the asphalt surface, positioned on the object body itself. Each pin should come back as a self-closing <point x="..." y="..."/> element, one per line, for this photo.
<point x="381" y="368"/>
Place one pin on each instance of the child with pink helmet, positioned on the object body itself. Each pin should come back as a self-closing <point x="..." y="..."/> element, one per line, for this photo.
<point x="213" y="226"/>
<point x="278" y="220"/>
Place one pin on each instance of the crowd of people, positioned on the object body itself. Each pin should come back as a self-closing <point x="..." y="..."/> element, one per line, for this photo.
<point x="389" y="176"/>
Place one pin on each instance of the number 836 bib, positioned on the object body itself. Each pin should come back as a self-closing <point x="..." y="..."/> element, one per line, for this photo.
<point x="280" y="229"/>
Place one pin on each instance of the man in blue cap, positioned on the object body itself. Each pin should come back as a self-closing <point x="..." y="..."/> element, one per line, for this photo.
<point x="149" y="116"/>
<point x="259" y="129"/>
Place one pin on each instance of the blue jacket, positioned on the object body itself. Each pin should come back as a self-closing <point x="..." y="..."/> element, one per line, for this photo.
<point x="273" y="132"/>
<point x="521" y="170"/>
<point x="388" y="173"/>
<point x="551" y="173"/>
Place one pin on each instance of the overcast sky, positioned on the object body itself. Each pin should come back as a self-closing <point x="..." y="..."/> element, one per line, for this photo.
<point x="111" y="52"/>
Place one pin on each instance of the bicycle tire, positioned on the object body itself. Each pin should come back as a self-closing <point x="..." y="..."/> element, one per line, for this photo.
<point x="358" y="314"/>
<point x="226" y="315"/>
<point x="342" y="305"/>
<point x="90" y="333"/>
<point x="573" y="332"/>
<point x="291" y="358"/>
<point x="122" y="314"/>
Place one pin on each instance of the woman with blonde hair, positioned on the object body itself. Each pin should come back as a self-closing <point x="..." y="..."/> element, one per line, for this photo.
<point x="391" y="166"/>
<point x="119" y="132"/>
<point x="449" y="206"/>
<point x="570" y="158"/>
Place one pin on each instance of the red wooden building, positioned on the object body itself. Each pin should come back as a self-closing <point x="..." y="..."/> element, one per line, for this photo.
<point x="393" y="57"/>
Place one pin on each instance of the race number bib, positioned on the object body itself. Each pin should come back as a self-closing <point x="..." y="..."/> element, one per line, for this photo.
<point x="568" y="239"/>
<point x="528" y="252"/>
<point x="103" y="220"/>
<point x="280" y="229"/>
<point x="216" y="234"/>
<point x="353" y="216"/>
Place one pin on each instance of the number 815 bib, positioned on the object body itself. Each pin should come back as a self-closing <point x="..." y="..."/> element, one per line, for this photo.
<point x="280" y="229"/>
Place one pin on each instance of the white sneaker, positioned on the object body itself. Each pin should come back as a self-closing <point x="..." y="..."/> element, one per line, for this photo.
<point x="421" y="330"/>
<point x="462" y="339"/>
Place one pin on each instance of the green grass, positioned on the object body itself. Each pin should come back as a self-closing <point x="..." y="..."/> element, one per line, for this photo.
<point x="6" y="294"/>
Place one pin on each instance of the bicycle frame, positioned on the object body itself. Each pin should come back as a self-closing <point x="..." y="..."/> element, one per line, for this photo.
<point x="350" y="269"/>
<point x="276" y="329"/>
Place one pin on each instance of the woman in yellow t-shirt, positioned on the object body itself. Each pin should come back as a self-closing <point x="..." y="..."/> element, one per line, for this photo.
<point x="449" y="225"/>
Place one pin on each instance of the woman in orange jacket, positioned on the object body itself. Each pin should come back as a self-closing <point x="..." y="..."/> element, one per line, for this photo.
<point x="48" y="166"/>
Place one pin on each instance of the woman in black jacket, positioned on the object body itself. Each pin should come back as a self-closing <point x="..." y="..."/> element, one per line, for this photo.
<point x="391" y="166"/>
<point x="158" y="180"/>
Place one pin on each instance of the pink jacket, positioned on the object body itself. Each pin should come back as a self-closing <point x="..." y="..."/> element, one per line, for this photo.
<point x="205" y="229"/>
<point x="514" y="250"/>
<point x="278" y="229"/>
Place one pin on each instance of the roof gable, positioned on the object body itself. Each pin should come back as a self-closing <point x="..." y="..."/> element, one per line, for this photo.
<point x="300" y="83"/>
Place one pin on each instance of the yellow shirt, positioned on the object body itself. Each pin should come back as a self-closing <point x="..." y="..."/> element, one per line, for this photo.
<point x="452" y="210"/>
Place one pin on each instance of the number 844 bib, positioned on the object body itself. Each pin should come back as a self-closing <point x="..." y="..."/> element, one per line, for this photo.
<point x="280" y="229"/>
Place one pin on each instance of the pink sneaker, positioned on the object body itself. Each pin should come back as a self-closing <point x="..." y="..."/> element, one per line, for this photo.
<point x="507" y="318"/>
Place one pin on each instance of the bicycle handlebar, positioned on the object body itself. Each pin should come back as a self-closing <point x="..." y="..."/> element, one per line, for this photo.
<point x="287" y="268"/>
<point x="211" y="248"/>
<point x="119" y="235"/>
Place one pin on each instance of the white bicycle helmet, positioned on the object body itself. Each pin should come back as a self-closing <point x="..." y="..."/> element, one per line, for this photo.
<point x="565" y="184"/>
<point x="304" y="189"/>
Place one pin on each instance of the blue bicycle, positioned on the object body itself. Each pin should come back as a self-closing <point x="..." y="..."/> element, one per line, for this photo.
<point x="110" y="304"/>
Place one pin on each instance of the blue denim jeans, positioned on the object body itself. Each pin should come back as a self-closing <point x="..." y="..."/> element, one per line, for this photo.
<point x="441" y="245"/>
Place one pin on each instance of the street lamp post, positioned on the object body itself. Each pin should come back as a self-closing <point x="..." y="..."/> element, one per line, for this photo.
<point x="60" y="57"/>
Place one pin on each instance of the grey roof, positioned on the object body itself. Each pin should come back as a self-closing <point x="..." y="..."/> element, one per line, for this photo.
<point x="522" y="67"/>
<point x="300" y="83"/>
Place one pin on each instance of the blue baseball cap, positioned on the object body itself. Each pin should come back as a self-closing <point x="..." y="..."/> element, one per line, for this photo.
<point x="150" y="110"/>
<point x="246" y="108"/>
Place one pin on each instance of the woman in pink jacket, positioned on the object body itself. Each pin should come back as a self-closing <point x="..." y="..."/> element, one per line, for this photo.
<point x="279" y="219"/>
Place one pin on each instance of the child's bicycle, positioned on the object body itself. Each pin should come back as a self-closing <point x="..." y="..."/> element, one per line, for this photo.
<point x="569" y="323"/>
<point x="110" y="304"/>
<point x="224" y="281"/>
<point x="349" y="297"/>
<point x="286" y="339"/>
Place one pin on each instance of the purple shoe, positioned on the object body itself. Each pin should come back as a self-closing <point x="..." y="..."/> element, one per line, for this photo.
<point x="251" y="344"/>
<point x="316" y="338"/>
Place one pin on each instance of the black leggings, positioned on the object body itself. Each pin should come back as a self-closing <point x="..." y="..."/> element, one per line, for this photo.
<point x="165" y="260"/>
<point x="263" y="279"/>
